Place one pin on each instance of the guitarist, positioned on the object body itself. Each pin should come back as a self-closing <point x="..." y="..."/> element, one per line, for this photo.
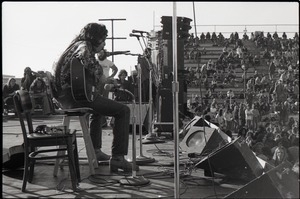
<point x="90" y="41"/>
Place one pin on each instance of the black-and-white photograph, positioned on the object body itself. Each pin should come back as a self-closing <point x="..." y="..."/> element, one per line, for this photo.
<point x="150" y="99"/>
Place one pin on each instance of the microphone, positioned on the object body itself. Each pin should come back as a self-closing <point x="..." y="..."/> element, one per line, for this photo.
<point x="112" y="87"/>
<point x="140" y="31"/>
<point x="117" y="53"/>
<point x="134" y="35"/>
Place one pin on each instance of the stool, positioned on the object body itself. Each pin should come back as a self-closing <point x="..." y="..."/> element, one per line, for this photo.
<point x="83" y="114"/>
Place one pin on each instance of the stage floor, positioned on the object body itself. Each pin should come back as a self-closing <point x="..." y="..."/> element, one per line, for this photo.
<point x="193" y="183"/>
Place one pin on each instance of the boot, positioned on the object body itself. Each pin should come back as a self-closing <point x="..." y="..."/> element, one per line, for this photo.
<point x="119" y="162"/>
<point x="101" y="156"/>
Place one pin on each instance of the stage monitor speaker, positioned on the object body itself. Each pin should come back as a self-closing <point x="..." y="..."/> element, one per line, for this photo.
<point x="202" y="137"/>
<point x="235" y="160"/>
<point x="279" y="182"/>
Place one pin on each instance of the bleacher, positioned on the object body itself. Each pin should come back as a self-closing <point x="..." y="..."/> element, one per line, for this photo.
<point x="212" y="52"/>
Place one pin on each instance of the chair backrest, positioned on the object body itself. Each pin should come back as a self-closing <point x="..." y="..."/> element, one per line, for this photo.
<point x="23" y="107"/>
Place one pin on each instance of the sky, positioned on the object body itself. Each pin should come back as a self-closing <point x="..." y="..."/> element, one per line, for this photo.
<point x="35" y="34"/>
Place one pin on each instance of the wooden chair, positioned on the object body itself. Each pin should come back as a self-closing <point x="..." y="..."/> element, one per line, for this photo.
<point x="35" y="143"/>
<point x="83" y="115"/>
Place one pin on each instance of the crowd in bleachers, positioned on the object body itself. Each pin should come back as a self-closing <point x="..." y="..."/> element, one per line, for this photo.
<point x="261" y="111"/>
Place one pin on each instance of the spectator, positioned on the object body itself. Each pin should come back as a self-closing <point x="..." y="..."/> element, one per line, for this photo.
<point x="256" y="60"/>
<point x="40" y="98"/>
<point x="249" y="117"/>
<point x="106" y="65"/>
<point x="228" y="118"/>
<point x="221" y="38"/>
<point x="124" y="84"/>
<point x="236" y="36"/>
<point x="207" y="36"/>
<point x="264" y="82"/>
<point x="214" y="38"/>
<point x="203" y="70"/>
<point x="28" y="78"/>
<point x="230" y="96"/>
<point x="8" y="91"/>
<point x="252" y="37"/>
<point x="250" y="139"/>
<point x="213" y="106"/>
<point x="220" y="118"/>
<point x="280" y="154"/>
<point x="257" y="83"/>
<point x="213" y="84"/>
<point x="279" y="92"/>
<point x="284" y="36"/>
<point x="235" y="114"/>
<point x="202" y="37"/>
<point x="275" y="35"/>
<point x="206" y="83"/>
<point x="269" y="140"/>
<point x="239" y="52"/>
<point x="267" y="55"/>
<point x="245" y="37"/>
<point x="242" y="116"/>
<point x="256" y="116"/>
<point x="266" y="154"/>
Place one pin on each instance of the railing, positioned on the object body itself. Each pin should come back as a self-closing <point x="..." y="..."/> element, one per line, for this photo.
<point x="226" y="30"/>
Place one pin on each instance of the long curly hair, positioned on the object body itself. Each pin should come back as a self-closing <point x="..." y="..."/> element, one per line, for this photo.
<point x="9" y="80"/>
<point x="91" y="33"/>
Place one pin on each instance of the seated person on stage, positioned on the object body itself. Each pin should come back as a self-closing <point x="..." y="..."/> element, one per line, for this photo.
<point x="124" y="84"/>
<point x="28" y="78"/>
<point x="38" y="92"/>
<point x="90" y="41"/>
<point x="133" y="84"/>
<point x="8" y="91"/>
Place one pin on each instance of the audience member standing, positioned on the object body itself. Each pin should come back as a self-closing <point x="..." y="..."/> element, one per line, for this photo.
<point x="249" y="117"/>
<point x="256" y="116"/>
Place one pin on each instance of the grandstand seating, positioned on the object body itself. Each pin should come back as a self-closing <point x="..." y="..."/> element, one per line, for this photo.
<point x="212" y="52"/>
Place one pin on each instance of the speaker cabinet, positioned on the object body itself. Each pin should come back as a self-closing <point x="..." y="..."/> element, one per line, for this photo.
<point x="279" y="182"/>
<point x="202" y="137"/>
<point x="235" y="160"/>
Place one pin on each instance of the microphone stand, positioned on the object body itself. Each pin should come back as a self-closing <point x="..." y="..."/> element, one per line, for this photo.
<point x="150" y="138"/>
<point x="141" y="159"/>
<point x="133" y="180"/>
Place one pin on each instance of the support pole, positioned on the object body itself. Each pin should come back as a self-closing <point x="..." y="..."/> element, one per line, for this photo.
<point x="175" y="90"/>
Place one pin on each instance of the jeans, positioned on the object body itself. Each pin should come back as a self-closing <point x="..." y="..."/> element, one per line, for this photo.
<point x="104" y="107"/>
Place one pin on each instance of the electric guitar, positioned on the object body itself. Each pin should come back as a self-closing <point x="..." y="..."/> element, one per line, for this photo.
<point x="82" y="82"/>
